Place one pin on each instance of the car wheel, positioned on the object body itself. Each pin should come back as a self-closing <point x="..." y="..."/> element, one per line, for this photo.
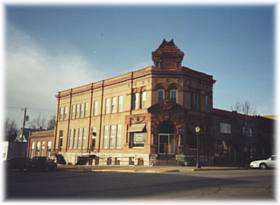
<point x="263" y="166"/>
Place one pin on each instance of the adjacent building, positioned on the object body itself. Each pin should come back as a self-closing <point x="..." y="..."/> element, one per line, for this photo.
<point x="149" y="116"/>
<point x="41" y="143"/>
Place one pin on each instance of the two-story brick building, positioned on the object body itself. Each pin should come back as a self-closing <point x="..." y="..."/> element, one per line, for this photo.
<point x="148" y="116"/>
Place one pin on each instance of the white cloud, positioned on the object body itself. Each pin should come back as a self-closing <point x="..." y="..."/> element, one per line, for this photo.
<point x="34" y="74"/>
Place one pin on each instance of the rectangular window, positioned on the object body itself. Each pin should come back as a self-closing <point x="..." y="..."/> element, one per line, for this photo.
<point x="60" y="140"/>
<point x="108" y="105"/>
<point x="173" y="95"/>
<point x="119" y="136"/>
<point x="247" y="131"/>
<point x="105" y="136"/>
<point x="84" y="136"/>
<point x="66" y="112"/>
<point x="43" y="148"/>
<point x="74" y="139"/>
<point x="78" y="115"/>
<point x="143" y="99"/>
<point x="73" y="111"/>
<point x="160" y="95"/>
<point x="86" y="110"/>
<point x="113" y="136"/>
<point x="120" y="103"/>
<point x="207" y="103"/>
<point x="138" y="139"/>
<point x="114" y="105"/>
<point x="195" y="101"/>
<point x="61" y="113"/>
<point x="133" y="101"/>
<point x="32" y="149"/>
<point x="33" y="145"/>
<point x="93" y="136"/>
<point x="79" y="138"/>
<point x="49" y="148"/>
<point x="95" y="108"/>
<point x="250" y="134"/>
<point x="70" y="139"/>
<point x="82" y="110"/>
<point x="225" y="128"/>
<point x="38" y="148"/>
<point x="137" y="101"/>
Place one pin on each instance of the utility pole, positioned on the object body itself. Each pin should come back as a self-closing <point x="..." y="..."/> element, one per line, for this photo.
<point x="23" y="124"/>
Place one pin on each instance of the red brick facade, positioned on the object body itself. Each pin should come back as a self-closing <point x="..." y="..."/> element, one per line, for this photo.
<point x="41" y="144"/>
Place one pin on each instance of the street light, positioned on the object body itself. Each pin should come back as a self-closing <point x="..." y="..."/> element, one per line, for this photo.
<point x="197" y="130"/>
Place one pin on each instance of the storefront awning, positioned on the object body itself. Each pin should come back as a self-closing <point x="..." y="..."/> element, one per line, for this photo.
<point x="136" y="128"/>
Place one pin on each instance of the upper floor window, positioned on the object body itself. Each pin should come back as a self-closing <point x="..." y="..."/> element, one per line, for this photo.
<point x="135" y="104"/>
<point x="95" y="109"/>
<point x="195" y="101"/>
<point x="108" y="105"/>
<point x="143" y="99"/>
<point x="207" y="103"/>
<point x="247" y="131"/>
<point x="225" y="128"/>
<point x="120" y="103"/>
<point x="82" y="110"/>
<point x="160" y="95"/>
<point x="73" y="111"/>
<point x="86" y="109"/>
<point x="173" y="95"/>
<point x="78" y="110"/>
<point x="65" y="113"/>
<point x="137" y="100"/>
<point x="61" y="114"/>
<point x="114" y="105"/>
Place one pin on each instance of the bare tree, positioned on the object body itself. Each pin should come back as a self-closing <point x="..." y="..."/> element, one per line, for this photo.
<point x="38" y="123"/>
<point x="51" y="123"/>
<point x="11" y="130"/>
<point x="245" y="108"/>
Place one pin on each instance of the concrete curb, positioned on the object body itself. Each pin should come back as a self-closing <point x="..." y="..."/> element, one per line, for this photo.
<point x="217" y="169"/>
<point x="136" y="171"/>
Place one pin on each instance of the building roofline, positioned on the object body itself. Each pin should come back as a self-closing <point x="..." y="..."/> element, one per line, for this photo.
<point x="120" y="77"/>
<point x="125" y="77"/>
<point x="41" y="133"/>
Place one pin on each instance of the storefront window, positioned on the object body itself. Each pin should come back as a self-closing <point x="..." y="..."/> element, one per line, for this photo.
<point x="138" y="139"/>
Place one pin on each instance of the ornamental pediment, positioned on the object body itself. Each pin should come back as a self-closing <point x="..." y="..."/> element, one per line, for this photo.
<point x="167" y="107"/>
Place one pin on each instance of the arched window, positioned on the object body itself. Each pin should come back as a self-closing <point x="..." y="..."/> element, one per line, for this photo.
<point x="160" y="95"/>
<point x="38" y="148"/>
<point x="173" y="94"/>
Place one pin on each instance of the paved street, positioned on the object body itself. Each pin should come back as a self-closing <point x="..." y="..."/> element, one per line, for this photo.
<point x="227" y="184"/>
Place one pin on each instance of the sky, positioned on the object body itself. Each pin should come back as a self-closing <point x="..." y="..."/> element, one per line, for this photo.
<point x="49" y="49"/>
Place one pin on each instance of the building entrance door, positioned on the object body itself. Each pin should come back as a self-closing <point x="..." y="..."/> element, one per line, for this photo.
<point x="166" y="145"/>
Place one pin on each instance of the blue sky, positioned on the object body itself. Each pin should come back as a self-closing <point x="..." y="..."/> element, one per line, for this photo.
<point x="62" y="47"/>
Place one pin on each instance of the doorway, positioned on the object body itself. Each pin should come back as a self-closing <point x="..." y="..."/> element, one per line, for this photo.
<point x="166" y="145"/>
<point x="166" y="139"/>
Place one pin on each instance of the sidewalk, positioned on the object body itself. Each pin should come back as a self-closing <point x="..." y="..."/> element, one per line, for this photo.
<point x="142" y="169"/>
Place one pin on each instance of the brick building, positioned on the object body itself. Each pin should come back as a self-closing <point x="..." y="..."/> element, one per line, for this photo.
<point x="40" y="144"/>
<point x="150" y="115"/>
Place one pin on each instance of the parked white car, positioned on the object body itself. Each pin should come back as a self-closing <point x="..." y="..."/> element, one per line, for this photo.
<point x="265" y="163"/>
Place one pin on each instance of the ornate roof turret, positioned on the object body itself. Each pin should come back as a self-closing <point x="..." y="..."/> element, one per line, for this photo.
<point x="167" y="56"/>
